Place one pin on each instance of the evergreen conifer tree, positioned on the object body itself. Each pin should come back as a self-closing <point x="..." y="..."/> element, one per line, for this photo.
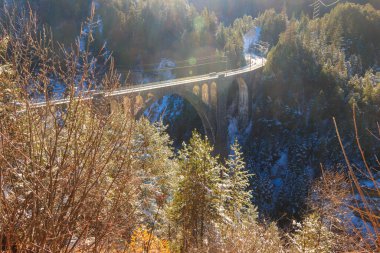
<point x="237" y="183"/>
<point x="196" y="204"/>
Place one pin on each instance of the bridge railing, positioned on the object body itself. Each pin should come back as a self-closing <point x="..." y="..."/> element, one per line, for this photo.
<point x="158" y="83"/>
<point x="190" y="79"/>
<point x="135" y="88"/>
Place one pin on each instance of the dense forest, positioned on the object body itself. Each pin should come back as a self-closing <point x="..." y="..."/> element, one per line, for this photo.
<point x="302" y="174"/>
<point x="318" y="70"/>
<point x="132" y="28"/>
<point x="230" y="10"/>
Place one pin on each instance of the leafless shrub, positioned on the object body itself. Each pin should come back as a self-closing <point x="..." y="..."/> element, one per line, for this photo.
<point x="329" y="198"/>
<point x="69" y="177"/>
<point x="254" y="237"/>
<point x="365" y="199"/>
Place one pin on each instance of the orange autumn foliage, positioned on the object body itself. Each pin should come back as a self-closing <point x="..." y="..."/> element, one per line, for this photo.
<point x="143" y="241"/>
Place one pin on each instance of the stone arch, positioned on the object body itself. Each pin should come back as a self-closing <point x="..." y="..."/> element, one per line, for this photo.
<point x="205" y="94"/>
<point x="203" y="111"/>
<point x="213" y="95"/>
<point x="196" y="90"/>
<point x="238" y="102"/>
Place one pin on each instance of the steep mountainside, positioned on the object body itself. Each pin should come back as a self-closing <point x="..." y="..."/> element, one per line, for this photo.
<point x="228" y="10"/>
<point x="316" y="70"/>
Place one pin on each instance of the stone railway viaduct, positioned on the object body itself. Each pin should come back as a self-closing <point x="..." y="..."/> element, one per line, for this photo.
<point x="208" y="94"/>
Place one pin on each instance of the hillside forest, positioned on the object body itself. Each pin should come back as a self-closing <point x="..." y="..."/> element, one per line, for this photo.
<point x="302" y="173"/>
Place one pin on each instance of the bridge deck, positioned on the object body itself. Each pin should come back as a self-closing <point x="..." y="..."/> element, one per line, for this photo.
<point x="159" y="85"/>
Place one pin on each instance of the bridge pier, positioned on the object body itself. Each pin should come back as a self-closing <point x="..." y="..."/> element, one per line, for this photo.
<point x="221" y="140"/>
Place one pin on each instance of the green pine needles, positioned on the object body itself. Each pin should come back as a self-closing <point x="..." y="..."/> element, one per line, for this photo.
<point x="210" y="196"/>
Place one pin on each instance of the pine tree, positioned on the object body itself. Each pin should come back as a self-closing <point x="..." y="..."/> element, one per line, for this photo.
<point x="197" y="203"/>
<point x="313" y="236"/>
<point x="154" y="158"/>
<point x="237" y="182"/>
<point x="221" y="36"/>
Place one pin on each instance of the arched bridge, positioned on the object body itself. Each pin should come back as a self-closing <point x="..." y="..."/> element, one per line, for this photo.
<point x="208" y="94"/>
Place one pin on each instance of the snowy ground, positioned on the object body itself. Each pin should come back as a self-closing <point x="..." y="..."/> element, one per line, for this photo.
<point x="254" y="59"/>
<point x="250" y="38"/>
